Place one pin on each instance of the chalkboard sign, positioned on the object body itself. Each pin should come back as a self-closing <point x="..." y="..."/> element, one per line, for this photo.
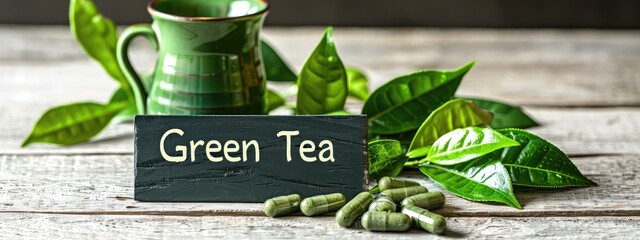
<point x="248" y="158"/>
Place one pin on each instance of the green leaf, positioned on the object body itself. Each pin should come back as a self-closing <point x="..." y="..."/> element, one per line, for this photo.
<point x="322" y="84"/>
<point x="419" y="152"/>
<point x="339" y="113"/>
<point x="385" y="158"/>
<point x="277" y="69"/>
<point x="466" y="144"/>
<point x="454" y="114"/>
<point x="127" y="114"/>
<point x="405" y="102"/>
<point x="374" y="190"/>
<point x="505" y="115"/>
<point x="538" y="163"/>
<point x="357" y="83"/>
<point x="404" y="138"/>
<point x="97" y="36"/>
<point x="483" y="179"/>
<point x="274" y="100"/>
<point x="73" y="123"/>
<point x="118" y="96"/>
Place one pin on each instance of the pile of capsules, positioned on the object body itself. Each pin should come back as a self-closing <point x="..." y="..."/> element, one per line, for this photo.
<point x="382" y="215"/>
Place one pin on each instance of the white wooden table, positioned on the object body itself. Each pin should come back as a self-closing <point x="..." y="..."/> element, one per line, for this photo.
<point x="582" y="85"/>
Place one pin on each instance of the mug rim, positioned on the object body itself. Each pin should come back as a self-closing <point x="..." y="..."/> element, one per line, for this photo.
<point x="155" y="12"/>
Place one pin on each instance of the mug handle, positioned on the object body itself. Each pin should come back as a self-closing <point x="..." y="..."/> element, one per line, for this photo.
<point x="122" y="54"/>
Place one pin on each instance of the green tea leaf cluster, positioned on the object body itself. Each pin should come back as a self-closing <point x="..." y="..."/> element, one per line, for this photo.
<point x="472" y="147"/>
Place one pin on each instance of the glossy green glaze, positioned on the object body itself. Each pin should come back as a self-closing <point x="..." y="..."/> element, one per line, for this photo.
<point x="209" y="58"/>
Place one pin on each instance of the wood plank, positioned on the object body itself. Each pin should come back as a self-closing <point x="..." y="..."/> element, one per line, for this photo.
<point x="38" y="76"/>
<point x="104" y="185"/>
<point x="43" y="67"/>
<point x="530" y="67"/>
<point x="578" y="132"/>
<point x="171" y="227"/>
<point x="590" y="131"/>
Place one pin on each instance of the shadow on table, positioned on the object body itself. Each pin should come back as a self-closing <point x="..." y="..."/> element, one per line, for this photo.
<point x="110" y="139"/>
<point x="526" y="195"/>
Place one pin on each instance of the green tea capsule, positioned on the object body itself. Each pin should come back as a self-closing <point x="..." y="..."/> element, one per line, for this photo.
<point x="353" y="209"/>
<point x="322" y="204"/>
<point x="386" y="183"/>
<point x="429" y="201"/>
<point x="386" y="221"/>
<point x="282" y="205"/>
<point x="400" y="194"/>
<point x="429" y="221"/>
<point x="383" y="204"/>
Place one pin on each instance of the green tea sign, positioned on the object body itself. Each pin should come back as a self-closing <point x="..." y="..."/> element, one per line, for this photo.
<point x="248" y="158"/>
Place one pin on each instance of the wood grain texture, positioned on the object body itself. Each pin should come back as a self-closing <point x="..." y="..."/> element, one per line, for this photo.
<point x="578" y="132"/>
<point x="566" y="67"/>
<point x="45" y="226"/>
<point x="104" y="185"/>
<point x="40" y="66"/>
<point x="541" y="68"/>
<point x="548" y="71"/>
<point x="590" y="131"/>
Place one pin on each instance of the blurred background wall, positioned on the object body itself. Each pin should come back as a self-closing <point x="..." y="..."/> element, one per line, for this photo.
<point x="615" y="14"/>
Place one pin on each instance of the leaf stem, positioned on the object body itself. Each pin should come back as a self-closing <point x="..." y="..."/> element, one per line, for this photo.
<point x="374" y="190"/>
<point x="412" y="164"/>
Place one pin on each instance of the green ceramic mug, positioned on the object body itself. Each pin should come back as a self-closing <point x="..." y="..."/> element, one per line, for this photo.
<point x="209" y="57"/>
